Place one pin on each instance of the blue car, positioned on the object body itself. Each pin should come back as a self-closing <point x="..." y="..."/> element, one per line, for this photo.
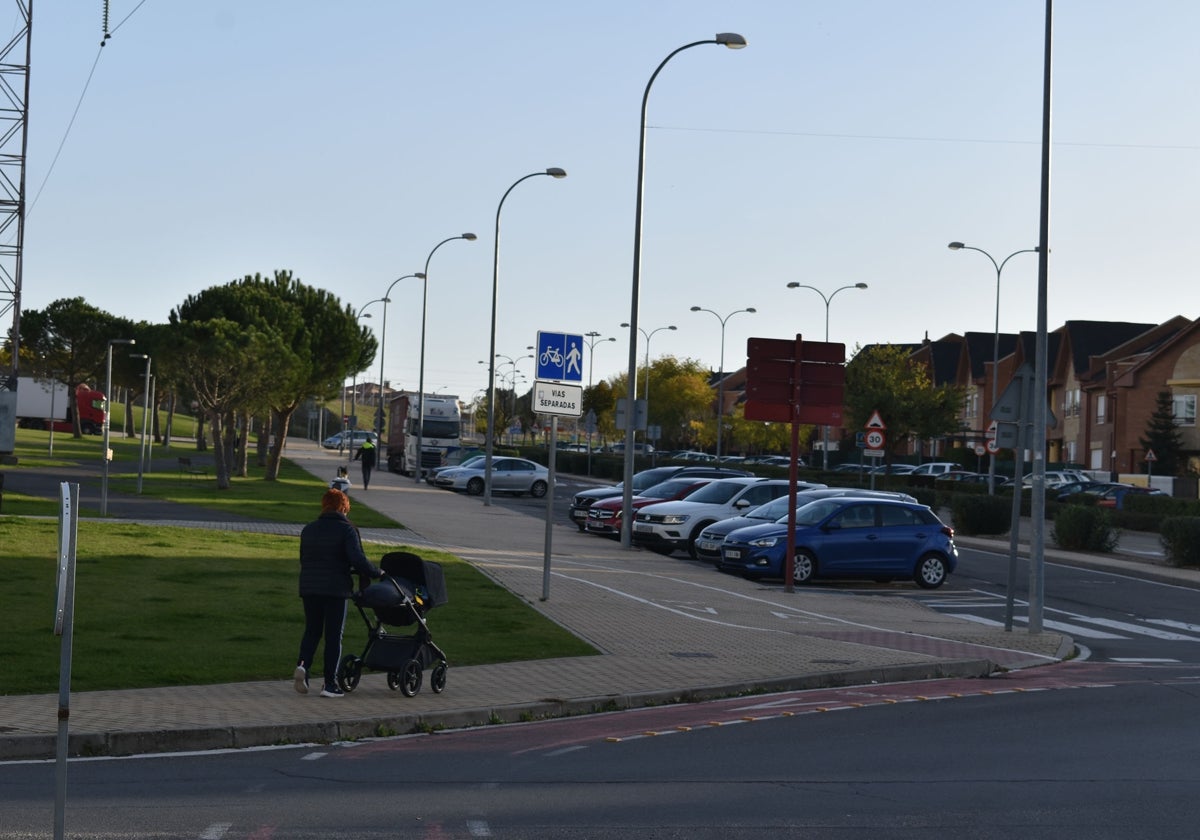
<point x="848" y="537"/>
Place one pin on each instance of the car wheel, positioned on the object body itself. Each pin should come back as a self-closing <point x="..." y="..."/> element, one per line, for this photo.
<point x="538" y="489"/>
<point x="475" y="486"/>
<point x="804" y="566"/>
<point x="691" y="544"/>
<point x="931" y="571"/>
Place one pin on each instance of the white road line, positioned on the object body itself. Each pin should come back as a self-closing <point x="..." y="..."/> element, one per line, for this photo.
<point x="1178" y="625"/>
<point x="479" y="828"/>
<point x="215" y="831"/>
<point x="1137" y="629"/>
<point x="1073" y="629"/>
<point x="1145" y="660"/>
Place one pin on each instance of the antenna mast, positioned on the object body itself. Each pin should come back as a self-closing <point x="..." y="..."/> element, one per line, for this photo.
<point x="14" y="134"/>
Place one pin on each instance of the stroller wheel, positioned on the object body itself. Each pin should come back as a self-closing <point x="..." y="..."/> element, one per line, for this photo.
<point x="437" y="678"/>
<point x="393" y="680"/>
<point x="410" y="678"/>
<point x="349" y="673"/>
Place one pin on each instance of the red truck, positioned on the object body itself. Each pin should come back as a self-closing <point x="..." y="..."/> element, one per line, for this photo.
<point x="42" y="404"/>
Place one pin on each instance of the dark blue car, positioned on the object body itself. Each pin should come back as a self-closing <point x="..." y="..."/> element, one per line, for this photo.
<point x="848" y="537"/>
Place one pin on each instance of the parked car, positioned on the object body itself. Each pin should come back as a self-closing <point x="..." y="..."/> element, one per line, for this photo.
<point x="432" y="474"/>
<point x="354" y="438"/>
<point x="509" y="475"/>
<point x="691" y="455"/>
<point x="893" y="469"/>
<point x="665" y="527"/>
<point x="1114" y="495"/>
<point x="849" y="467"/>
<point x="641" y="480"/>
<point x="934" y="468"/>
<point x="1057" y="478"/>
<point x="604" y="517"/>
<point x="1066" y="491"/>
<point x="638" y="449"/>
<point x="962" y="475"/>
<point x="708" y="546"/>
<point x="849" y="537"/>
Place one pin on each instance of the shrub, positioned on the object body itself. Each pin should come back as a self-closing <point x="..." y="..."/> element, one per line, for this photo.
<point x="1081" y="528"/>
<point x="924" y="495"/>
<point x="974" y="514"/>
<point x="1181" y="540"/>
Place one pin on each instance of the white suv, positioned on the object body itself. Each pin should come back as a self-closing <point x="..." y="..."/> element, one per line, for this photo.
<point x="667" y="526"/>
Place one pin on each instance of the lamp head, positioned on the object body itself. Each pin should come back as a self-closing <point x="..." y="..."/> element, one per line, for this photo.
<point x="731" y="39"/>
<point x="556" y="172"/>
<point x="860" y="285"/>
<point x="625" y="324"/>
<point x="420" y="275"/>
<point x="794" y="285"/>
<point x="749" y="309"/>
<point x="956" y="246"/>
<point x="671" y="327"/>
<point x="697" y="309"/>
<point x="470" y="237"/>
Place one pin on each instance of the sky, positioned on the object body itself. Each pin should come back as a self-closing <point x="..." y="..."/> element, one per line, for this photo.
<point x="848" y="143"/>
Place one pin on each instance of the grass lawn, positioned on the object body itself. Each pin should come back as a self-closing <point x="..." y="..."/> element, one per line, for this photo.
<point x="160" y="606"/>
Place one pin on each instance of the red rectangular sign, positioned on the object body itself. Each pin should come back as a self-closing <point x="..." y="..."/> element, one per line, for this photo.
<point x="770" y="391"/>
<point x="813" y="415"/>
<point x="764" y="349"/>
<point x="823" y="351"/>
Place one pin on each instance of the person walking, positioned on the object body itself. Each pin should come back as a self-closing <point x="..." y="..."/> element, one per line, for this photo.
<point x="330" y="551"/>
<point x="367" y="454"/>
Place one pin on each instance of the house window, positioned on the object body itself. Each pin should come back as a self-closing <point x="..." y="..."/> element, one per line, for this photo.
<point x="1183" y="408"/>
<point x="1101" y="408"/>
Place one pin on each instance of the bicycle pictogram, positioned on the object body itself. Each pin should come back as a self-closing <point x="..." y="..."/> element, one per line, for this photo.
<point x="551" y="355"/>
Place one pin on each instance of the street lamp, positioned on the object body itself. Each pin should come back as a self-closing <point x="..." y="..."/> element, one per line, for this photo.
<point x="556" y="173"/>
<point x="721" y="374"/>
<point x="828" y="299"/>
<point x="387" y="298"/>
<point x="104" y="454"/>
<point x="509" y="360"/>
<point x="470" y="237"/>
<point x="354" y="379"/>
<point x="631" y="412"/>
<point x="592" y="339"/>
<point x="734" y="42"/>
<point x="958" y="246"/>
<point x="145" y="415"/>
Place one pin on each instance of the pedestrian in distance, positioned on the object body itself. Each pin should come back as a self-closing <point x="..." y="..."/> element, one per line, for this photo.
<point x="330" y="552"/>
<point x="367" y="454"/>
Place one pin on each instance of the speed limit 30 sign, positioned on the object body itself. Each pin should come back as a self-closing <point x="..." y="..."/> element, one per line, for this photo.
<point x="874" y="439"/>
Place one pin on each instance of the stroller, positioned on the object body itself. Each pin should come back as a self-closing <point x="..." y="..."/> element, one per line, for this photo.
<point x="342" y="481"/>
<point x="411" y="586"/>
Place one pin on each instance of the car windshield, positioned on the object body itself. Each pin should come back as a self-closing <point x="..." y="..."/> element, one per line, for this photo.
<point x="668" y="489"/>
<point x="648" y="478"/>
<point x="717" y="493"/>
<point x="815" y="512"/>
<point x="439" y="429"/>
<point x="772" y="510"/>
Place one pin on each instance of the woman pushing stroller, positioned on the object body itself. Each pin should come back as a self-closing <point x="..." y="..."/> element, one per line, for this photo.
<point x="330" y="551"/>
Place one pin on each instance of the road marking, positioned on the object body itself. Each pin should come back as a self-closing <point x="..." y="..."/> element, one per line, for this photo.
<point x="1145" y="660"/>
<point x="1178" y="625"/>
<point x="215" y="831"/>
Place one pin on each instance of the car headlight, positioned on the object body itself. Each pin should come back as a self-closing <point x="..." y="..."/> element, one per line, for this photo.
<point x="764" y="542"/>
<point x="675" y="519"/>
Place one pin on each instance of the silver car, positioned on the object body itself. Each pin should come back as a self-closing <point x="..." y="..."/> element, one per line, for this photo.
<point x="509" y="475"/>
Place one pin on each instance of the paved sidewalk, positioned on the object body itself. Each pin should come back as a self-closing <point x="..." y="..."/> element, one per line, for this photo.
<point x="668" y="629"/>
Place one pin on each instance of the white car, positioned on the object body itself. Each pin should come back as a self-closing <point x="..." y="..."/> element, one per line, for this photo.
<point x="354" y="438"/>
<point x="935" y="468"/>
<point x="509" y="475"/>
<point x="665" y="527"/>
<point x="1057" y="478"/>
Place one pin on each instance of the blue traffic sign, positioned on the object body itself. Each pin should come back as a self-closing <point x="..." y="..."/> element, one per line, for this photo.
<point x="559" y="357"/>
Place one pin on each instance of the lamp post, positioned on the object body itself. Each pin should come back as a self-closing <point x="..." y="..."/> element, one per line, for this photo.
<point x="387" y="298"/>
<point x="509" y="360"/>
<point x="556" y="173"/>
<point x="592" y="339"/>
<point x="721" y="374"/>
<point x="104" y="454"/>
<point x="470" y="237"/>
<point x="145" y="416"/>
<point x="958" y="246"/>
<point x="733" y="41"/>
<point x="828" y="299"/>
<point x="632" y="411"/>
<point x="354" y="380"/>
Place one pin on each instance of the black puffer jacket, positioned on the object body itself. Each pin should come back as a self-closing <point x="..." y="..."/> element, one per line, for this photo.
<point x="330" y="551"/>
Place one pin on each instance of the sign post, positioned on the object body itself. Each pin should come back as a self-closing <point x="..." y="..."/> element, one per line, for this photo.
<point x="64" y="626"/>
<point x="557" y="391"/>
<point x="794" y="382"/>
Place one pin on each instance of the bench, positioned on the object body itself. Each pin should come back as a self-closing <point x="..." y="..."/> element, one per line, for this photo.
<point x="187" y="467"/>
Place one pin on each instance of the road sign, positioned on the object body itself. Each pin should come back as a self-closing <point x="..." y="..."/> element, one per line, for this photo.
<point x="1150" y="456"/>
<point x="795" y="381"/>
<point x="559" y="357"/>
<point x="875" y="439"/>
<point x="991" y="445"/>
<point x="557" y="398"/>
<point x="875" y="421"/>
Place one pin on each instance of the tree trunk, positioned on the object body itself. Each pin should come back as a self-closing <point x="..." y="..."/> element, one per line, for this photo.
<point x="283" y="420"/>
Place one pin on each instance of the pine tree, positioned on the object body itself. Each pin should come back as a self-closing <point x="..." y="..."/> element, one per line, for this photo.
<point x="1163" y="437"/>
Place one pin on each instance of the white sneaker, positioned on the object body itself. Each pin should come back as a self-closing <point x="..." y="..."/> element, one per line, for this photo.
<point x="300" y="680"/>
<point x="332" y="691"/>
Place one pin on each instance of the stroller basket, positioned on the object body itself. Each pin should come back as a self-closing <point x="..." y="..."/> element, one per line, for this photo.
<point x="410" y="588"/>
